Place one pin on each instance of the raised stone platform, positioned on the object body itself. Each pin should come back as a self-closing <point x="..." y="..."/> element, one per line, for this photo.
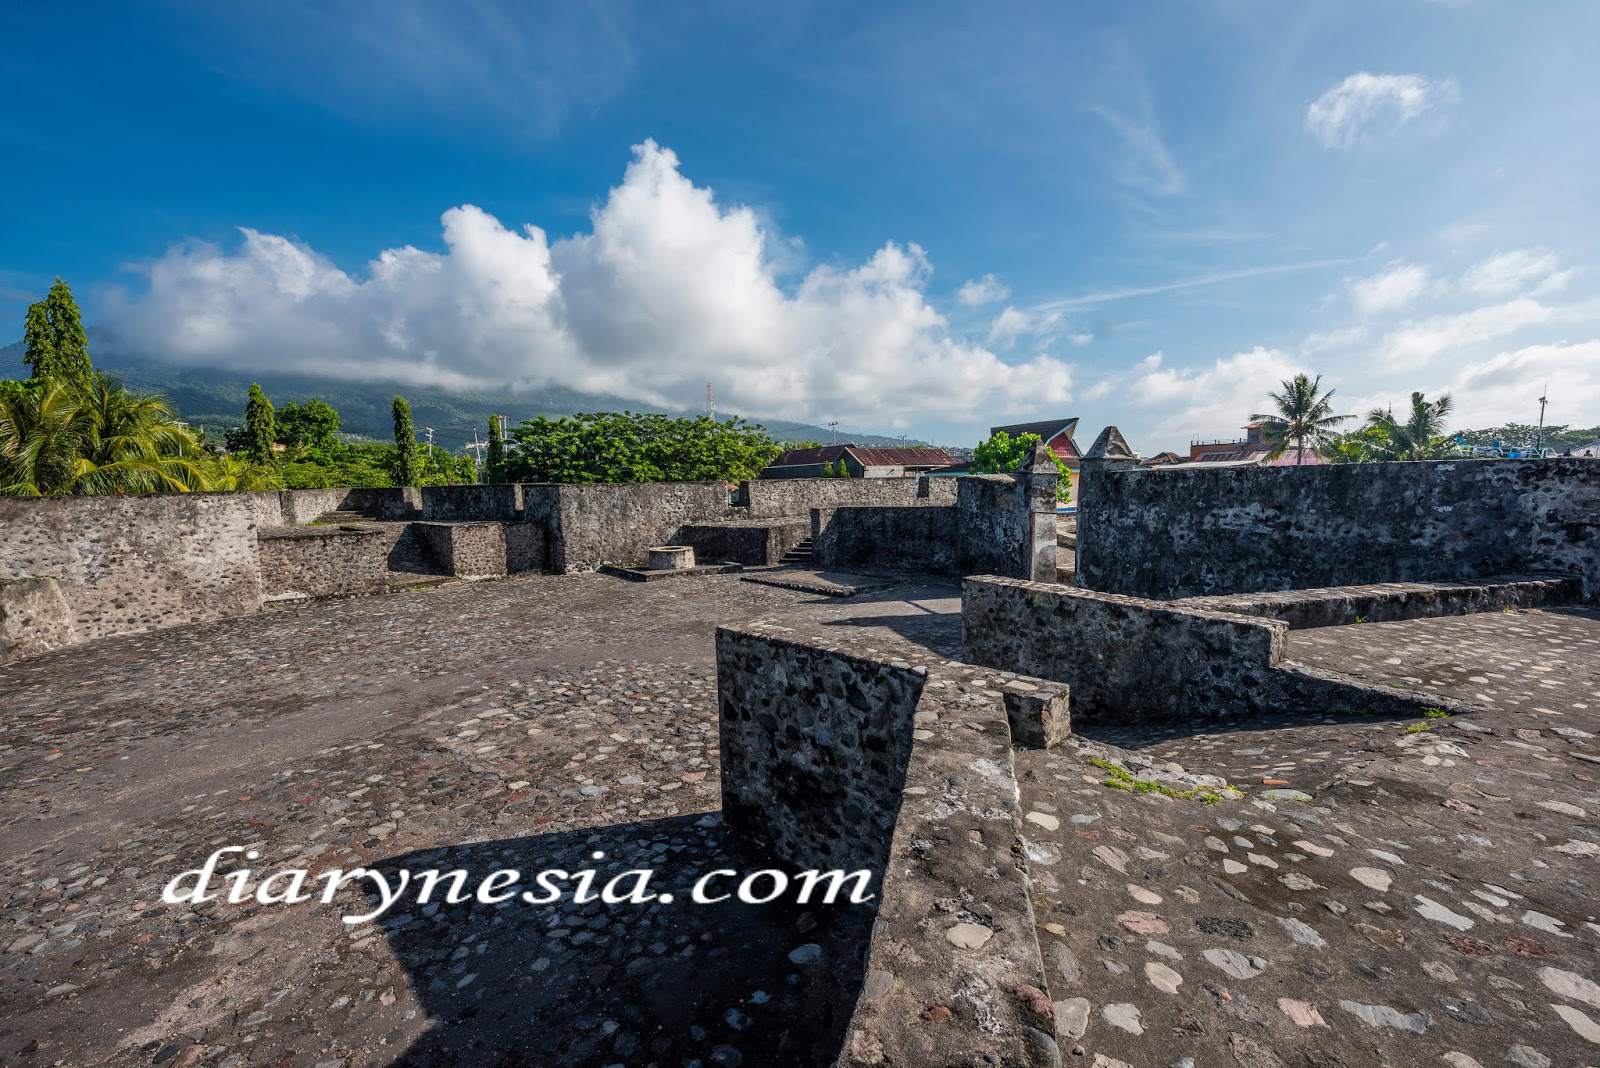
<point x="826" y="583"/>
<point x="1386" y="602"/>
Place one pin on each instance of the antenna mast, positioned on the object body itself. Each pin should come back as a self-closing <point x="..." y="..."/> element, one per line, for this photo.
<point x="1538" y="445"/>
<point x="711" y="404"/>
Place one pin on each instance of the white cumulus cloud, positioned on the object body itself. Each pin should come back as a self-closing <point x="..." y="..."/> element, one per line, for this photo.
<point x="668" y="290"/>
<point x="1396" y="287"/>
<point x="1366" y="105"/>
<point x="980" y="291"/>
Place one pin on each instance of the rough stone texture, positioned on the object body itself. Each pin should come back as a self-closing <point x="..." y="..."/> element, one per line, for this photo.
<point x="1039" y="718"/>
<point x="1326" y="932"/>
<point x="814" y="748"/>
<point x="914" y="538"/>
<point x="1188" y="533"/>
<point x="138" y="562"/>
<point x="34" y="618"/>
<point x="322" y="562"/>
<point x="466" y="550"/>
<point x="1387" y="602"/>
<point x="757" y="542"/>
<point x="937" y="490"/>
<point x="953" y="973"/>
<point x="291" y="508"/>
<point x="527" y="547"/>
<point x="1127" y="659"/>
<point x="502" y="502"/>
<point x="524" y="723"/>
<point x="1000" y="524"/>
<point x="616" y="524"/>
<point x="764" y="498"/>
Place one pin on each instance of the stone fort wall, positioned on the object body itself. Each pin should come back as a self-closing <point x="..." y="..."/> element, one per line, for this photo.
<point x="1168" y="534"/>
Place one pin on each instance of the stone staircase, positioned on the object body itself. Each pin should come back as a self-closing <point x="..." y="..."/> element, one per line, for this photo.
<point x="340" y="517"/>
<point x="800" y="555"/>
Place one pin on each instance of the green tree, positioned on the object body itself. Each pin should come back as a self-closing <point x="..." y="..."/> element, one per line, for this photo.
<point x="63" y="439"/>
<point x="1303" y="415"/>
<point x="495" y="462"/>
<point x="466" y="469"/>
<point x="259" y="433"/>
<point x="405" y="443"/>
<point x="55" y="344"/>
<point x="231" y="471"/>
<point x="1420" y="436"/>
<point x="629" y="447"/>
<point x="1002" y="454"/>
<point x="311" y="425"/>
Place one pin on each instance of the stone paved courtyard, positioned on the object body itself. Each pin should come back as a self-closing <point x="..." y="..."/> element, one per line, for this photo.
<point x="1430" y="902"/>
<point x="1432" y="899"/>
<point x="528" y="722"/>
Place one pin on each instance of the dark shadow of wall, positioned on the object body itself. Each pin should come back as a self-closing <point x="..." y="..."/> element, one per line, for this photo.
<point x="517" y="985"/>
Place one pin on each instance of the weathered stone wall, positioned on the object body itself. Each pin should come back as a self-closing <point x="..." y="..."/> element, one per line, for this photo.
<point x="814" y="749"/>
<point x="138" y="562"/>
<point x="1388" y="601"/>
<point x="615" y="524"/>
<point x="901" y="764"/>
<point x="291" y="508"/>
<point x="798" y="496"/>
<point x="466" y="550"/>
<point x="527" y="547"/>
<point x="322" y="562"/>
<point x="941" y="490"/>
<point x="501" y="503"/>
<point x="999" y="524"/>
<point x="924" y="538"/>
<point x="34" y="618"/>
<point x="1187" y="533"/>
<point x="1130" y="659"/>
<point x="745" y="541"/>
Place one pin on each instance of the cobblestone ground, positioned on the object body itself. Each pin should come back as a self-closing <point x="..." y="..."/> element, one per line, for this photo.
<point x="1385" y="893"/>
<point x="529" y="723"/>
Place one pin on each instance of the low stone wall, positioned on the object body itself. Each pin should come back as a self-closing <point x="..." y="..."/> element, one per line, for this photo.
<point x="745" y="541"/>
<point x="322" y="562"/>
<point x="291" y="508"/>
<point x="905" y="760"/>
<point x="1386" y="602"/>
<point x="466" y="550"/>
<point x="999" y="524"/>
<point x="1191" y="533"/>
<point x="924" y="539"/>
<point x="617" y="523"/>
<point x="764" y="498"/>
<point x="499" y="503"/>
<point x="136" y="563"/>
<point x="1128" y="659"/>
<point x="527" y="547"/>
<point x="34" y="618"/>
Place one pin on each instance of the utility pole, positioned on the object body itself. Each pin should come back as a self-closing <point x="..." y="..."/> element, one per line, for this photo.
<point x="833" y="428"/>
<point x="1538" y="445"/>
<point x="428" y="430"/>
<point x="711" y="404"/>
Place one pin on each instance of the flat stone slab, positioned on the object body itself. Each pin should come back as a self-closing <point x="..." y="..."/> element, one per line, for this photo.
<point x="827" y="583"/>
<point x="645" y="574"/>
<point x="1384" y="602"/>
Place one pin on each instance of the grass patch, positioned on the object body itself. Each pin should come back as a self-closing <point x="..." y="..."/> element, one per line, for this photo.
<point x="1120" y="778"/>
<point x="1433" y="717"/>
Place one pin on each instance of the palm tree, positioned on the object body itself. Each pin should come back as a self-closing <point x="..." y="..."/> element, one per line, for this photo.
<point x="1304" y="415"/>
<point x="234" y="471"/>
<point x="1420" y="437"/>
<point x="62" y="438"/>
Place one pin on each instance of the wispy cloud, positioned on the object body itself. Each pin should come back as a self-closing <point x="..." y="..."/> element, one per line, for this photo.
<point x="1367" y="105"/>
<point x="979" y="291"/>
<point x="1107" y="296"/>
<point x="1147" y="166"/>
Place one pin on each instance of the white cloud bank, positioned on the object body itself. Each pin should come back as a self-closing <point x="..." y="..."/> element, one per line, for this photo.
<point x="669" y="291"/>
<point x="1366" y="105"/>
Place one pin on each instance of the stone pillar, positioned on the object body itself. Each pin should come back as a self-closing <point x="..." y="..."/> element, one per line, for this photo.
<point x="1108" y="454"/>
<point x="1037" y="477"/>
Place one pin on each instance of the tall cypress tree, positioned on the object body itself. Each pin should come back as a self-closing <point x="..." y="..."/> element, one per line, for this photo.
<point x="405" y="441"/>
<point x="258" y="425"/>
<point x="56" y="344"/>
<point x="495" y="462"/>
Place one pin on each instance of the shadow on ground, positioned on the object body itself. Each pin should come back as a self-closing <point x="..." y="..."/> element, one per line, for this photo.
<point x="518" y="984"/>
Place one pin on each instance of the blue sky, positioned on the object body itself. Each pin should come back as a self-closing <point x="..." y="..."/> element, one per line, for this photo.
<point x="921" y="218"/>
